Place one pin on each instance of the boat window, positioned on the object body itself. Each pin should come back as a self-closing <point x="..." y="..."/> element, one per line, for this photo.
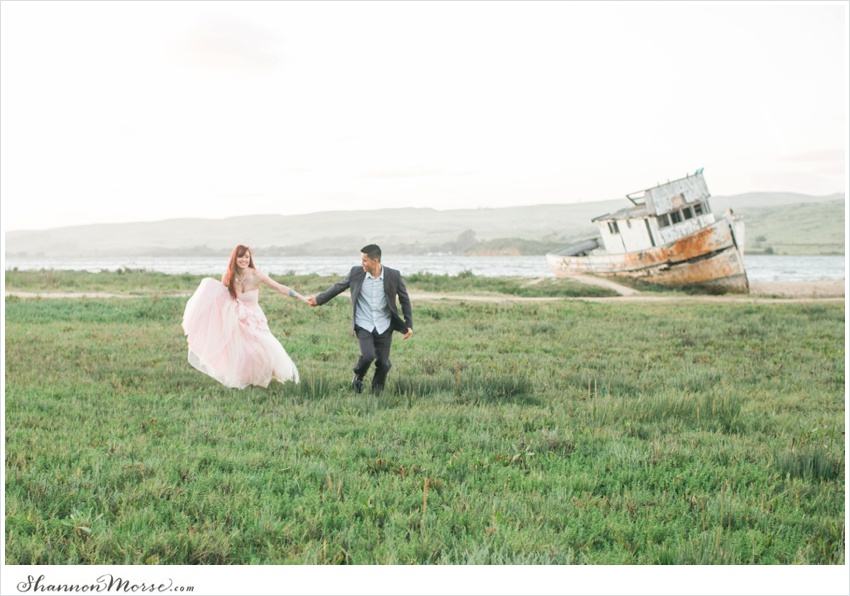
<point x="663" y="221"/>
<point x="612" y="227"/>
<point x="688" y="213"/>
<point x="698" y="208"/>
<point x="676" y="217"/>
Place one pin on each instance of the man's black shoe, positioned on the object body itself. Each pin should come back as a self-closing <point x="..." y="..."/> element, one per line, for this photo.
<point x="377" y="390"/>
<point x="357" y="384"/>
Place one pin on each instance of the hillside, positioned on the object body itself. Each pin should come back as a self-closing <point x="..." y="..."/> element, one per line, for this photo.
<point x="413" y="231"/>
<point x="799" y="229"/>
<point x="782" y="222"/>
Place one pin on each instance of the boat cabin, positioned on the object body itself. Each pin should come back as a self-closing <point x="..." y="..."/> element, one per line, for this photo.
<point x="660" y="215"/>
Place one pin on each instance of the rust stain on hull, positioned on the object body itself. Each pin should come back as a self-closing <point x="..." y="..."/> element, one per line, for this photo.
<point x="708" y="258"/>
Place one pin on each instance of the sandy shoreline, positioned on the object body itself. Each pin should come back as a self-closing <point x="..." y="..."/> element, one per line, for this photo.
<point x="833" y="288"/>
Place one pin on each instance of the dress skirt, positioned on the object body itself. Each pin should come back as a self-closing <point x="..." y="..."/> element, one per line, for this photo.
<point x="230" y="340"/>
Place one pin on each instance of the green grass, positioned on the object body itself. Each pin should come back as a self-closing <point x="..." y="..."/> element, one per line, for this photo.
<point x="144" y="283"/>
<point x="469" y="283"/>
<point x="510" y="433"/>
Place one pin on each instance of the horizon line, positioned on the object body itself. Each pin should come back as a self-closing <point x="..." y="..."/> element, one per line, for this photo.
<point x="329" y="211"/>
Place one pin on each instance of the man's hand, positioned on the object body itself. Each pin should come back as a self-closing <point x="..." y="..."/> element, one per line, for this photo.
<point x="408" y="334"/>
<point x="312" y="301"/>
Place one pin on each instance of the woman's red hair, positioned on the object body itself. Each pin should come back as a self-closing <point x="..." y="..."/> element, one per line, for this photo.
<point x="230" y="274"/>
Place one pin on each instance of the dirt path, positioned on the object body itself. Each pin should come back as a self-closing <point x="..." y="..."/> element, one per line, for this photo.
<point x="810" y="291"/>
<point x="605" y="283"/>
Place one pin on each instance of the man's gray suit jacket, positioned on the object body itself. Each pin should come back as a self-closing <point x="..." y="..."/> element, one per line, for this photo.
<point x="393" y="286"/>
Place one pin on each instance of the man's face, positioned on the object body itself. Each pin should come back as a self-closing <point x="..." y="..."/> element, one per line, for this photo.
<point x="370" y="266"/>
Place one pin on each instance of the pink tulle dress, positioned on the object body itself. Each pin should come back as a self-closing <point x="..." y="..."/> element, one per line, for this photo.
<point x="230" y="340"/>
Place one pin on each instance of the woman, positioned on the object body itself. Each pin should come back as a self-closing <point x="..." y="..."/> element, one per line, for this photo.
<point x="228" y="333"/>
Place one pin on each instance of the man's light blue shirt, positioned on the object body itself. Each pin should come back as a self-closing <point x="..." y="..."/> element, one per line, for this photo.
<point x="372" y="312"/>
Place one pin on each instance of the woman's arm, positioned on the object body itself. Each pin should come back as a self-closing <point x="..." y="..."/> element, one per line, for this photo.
<point x="280" y="287"/>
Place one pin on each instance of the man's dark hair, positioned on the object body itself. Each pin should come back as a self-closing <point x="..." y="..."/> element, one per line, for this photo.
<point x="373" y="251"/>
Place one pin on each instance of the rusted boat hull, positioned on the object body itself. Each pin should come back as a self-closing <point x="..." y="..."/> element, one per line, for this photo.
<point x="711" y="258"/>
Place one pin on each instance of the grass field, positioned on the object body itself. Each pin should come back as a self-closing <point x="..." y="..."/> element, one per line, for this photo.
<point x="140" y="282"/>
<point x="510" y="433"/>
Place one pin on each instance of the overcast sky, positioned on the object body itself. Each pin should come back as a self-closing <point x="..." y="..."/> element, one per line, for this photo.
<point x="130" y="111"/>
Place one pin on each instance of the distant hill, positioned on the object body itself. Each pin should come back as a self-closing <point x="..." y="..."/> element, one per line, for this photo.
<point x="796" y="229"/>
<point x="776" y="217"/>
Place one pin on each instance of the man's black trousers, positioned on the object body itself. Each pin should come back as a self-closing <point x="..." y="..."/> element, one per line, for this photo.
<point x="374" y="347"/>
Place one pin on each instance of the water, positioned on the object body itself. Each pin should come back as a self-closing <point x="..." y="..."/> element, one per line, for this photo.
<point x="773" y="268"/>
<point x="759" y="268"/>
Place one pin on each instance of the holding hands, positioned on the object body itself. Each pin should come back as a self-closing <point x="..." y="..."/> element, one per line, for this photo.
<point x="293" y="294"/>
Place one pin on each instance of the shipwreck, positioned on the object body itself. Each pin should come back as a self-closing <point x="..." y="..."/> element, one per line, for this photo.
<point x="668" y="236"/>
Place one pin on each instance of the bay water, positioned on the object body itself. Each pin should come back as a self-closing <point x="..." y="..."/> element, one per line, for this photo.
<point x="760" y="268"/>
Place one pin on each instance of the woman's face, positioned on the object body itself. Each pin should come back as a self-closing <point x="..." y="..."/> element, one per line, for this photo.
<point x="243" y="261"/>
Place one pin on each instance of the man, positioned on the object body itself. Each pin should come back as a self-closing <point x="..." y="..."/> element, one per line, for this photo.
<point x="374" y="314"/>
